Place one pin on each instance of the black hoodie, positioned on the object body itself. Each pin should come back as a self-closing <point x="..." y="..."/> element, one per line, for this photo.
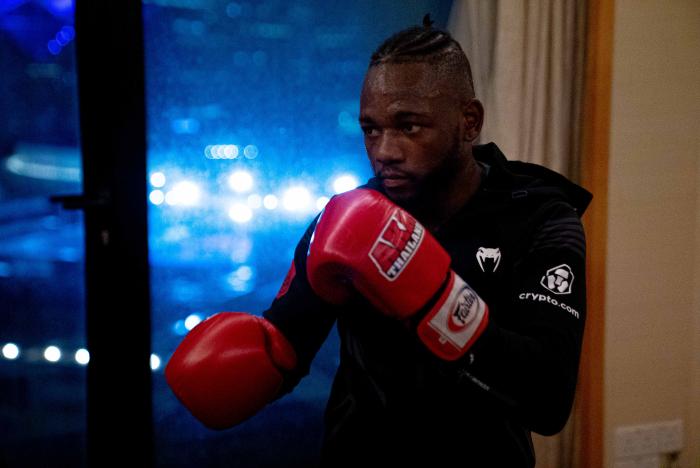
<point x="519" y="244"/>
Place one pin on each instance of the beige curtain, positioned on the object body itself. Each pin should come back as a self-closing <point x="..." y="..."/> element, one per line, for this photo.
<point x="527" y="63"/>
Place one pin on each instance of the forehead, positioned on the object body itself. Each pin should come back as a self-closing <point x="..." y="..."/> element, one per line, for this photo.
<point x="402" y="80"/>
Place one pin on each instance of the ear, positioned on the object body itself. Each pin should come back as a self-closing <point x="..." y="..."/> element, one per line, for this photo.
<point x="473" y="115"/>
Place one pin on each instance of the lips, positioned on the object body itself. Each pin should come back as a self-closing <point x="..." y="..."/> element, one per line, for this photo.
<point x="392" y="174"/>
<point x="394" y="182"/>
<point x="392" y="179"/>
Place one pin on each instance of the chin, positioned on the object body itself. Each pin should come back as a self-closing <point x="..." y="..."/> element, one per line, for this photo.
<point x="403" y="198"/>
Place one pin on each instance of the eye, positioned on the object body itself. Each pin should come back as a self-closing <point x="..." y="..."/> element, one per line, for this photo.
<point x="370" y="131"/>
<point x="410" y="129"/>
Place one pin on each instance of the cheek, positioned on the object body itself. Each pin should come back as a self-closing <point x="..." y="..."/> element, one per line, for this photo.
<point x="438" y="154"/>
<point x="431" y="152"/>
<point x="448" y="143"/>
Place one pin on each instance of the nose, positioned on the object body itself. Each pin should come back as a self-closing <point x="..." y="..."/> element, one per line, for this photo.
<point x="386" y="150"/>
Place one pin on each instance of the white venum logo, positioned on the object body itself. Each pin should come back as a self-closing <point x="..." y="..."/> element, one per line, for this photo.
<point x="559" y="279"/>
<point x="488" y="259"/>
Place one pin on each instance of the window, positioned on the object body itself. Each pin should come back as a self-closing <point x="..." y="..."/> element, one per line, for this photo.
<point x="42" y="334"/>
<point x="252" y="125"/>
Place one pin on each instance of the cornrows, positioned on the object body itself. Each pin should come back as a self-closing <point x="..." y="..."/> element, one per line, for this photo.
<point x="427" y="44"/>
<point x="414" y="44"/>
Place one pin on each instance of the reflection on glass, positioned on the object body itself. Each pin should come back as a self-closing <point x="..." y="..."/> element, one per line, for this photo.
<point x="42" y="336"/>
<point x="252" y="125"/>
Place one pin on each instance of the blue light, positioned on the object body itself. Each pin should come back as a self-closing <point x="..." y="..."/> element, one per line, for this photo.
<point x="68" y="32"/>
<point x="54" y="47"/>
<point x="157" y="197"/>
<point x="179" y="328"/>
<point x="10" y="351"/>
<point x="241" y="250"/>
<point x="321" y="202"/>
<point x="185" y="126"/>
<point x="60" y="6"/>
<point x="192" y="321"/>
<point x="230" y="151"/>
<point x="221" y="151"/>
<point x="68" y="254"/>
<point x="157" y="179"/>
<point x="61" y="38"/>
<point x="240" y="279"/>
<point x="244" y="272"/>
<point x="344" y="183"/>
<point x="39" y="164"/>
<point x="296" y="199"/>
<point x="52" y="354"/>
<point x="270" y="202"/>
<point x="82" y="356"/>
<point x="240" y="181"/>
<point x="155" y="362"/>
<point x="184" y="193"/>
<point x="240" y="213"/>
<point x="250" y="152"/>
<point x="227" y="151"/>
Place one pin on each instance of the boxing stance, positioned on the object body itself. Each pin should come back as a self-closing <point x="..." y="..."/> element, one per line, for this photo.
<point x="232" y="364"/>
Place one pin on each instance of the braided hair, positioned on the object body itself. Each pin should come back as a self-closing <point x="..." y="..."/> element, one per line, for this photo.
<point x="428" y="45"/>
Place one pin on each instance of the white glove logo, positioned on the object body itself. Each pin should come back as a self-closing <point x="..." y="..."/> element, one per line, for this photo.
<point x="558" y="279"/>
<point x="465" y="309"/>
<point x="396" y="244"/>
<point x="488" y="259"/>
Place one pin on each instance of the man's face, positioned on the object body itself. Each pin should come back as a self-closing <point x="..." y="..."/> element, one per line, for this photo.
<point x="412" y="127"/>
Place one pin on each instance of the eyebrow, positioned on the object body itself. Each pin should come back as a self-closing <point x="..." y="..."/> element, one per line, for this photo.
<point x="397" y="116"/>
<point x="405" y="114"/>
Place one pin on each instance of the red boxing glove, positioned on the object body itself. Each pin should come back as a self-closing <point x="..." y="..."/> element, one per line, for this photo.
<point x="229" y="367"/>
<point x="364" y="241"/>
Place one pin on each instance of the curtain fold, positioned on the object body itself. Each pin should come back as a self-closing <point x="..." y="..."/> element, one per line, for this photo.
<point x="527" y="59"/>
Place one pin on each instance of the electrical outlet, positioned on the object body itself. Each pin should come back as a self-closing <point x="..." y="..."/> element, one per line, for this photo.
<point x="649" y="439"/>
<point x="670" y="436"/>
<point x="630" y="441"/>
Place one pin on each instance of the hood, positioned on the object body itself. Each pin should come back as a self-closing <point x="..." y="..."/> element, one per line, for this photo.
<point x="520" y="179"/>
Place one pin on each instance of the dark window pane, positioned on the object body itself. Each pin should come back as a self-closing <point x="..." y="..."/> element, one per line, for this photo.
<point x="42" y="335"/>
<point x="252" y="124"/>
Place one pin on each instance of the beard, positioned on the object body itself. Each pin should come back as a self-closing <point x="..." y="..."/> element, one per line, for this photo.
<point x="428" y="189"/>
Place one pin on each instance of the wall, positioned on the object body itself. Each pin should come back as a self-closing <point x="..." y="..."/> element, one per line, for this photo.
<point x="694" y="403"/>
<point x="652" y="349"/>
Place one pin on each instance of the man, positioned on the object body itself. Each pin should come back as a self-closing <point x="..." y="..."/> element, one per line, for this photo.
<point x="456" y="278"/>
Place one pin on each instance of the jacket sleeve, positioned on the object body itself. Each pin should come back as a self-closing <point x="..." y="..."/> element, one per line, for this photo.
<point x="302" y="317"/>
<point x="530" y="360"/>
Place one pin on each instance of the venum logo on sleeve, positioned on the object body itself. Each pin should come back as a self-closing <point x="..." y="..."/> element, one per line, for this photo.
<point x="488" y="259"/>
<point x="396" y="244"/>
<point x="559" y="279"/>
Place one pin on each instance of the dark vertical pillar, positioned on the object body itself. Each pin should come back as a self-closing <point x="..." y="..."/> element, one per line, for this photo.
<point x="109" y="44"/>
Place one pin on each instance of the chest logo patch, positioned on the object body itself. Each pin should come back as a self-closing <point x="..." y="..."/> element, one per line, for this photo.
<point x="559" y="279"/>
<point x="488" y="259"/>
